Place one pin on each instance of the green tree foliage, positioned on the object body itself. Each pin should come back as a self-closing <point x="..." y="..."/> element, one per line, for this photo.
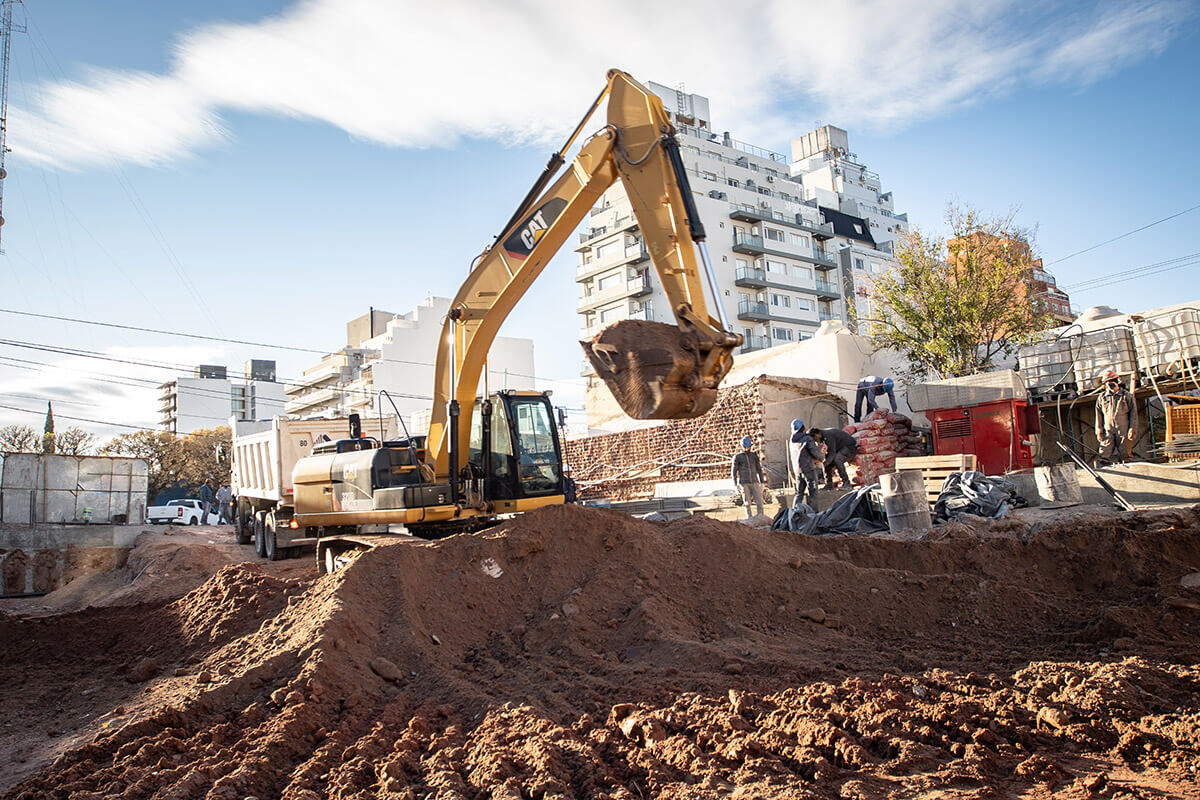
<point x="74" y="442"/>
<point x="186" y="461"/>
<point x="19" y="439"/>
<point x="952" y="307"/>
<point x="48" y="430"/>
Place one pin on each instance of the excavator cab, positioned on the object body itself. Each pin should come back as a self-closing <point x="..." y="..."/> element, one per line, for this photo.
<point x="514" y="447"/>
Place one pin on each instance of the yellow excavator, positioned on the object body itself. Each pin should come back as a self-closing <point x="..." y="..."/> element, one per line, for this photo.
<point x="499" y="453"/>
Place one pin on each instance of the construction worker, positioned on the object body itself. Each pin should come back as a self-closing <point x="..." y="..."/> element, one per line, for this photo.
<point x="869" y="388"/>
<point x="841" y="448"/>
<point x="570" y="490"/>
<point x="748" y="476"/>
<point x="1116" y="421"/>
<point x="807" y="455"/>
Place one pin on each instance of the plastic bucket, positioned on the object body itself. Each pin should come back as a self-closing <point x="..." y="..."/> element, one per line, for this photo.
<point x="905" y="503"/>
<point x="1058" y="486"/>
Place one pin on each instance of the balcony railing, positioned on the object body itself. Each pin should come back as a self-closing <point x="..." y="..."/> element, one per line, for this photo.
<point x="750" y="276"/>
<point x="639" y="285"/>
<point x="826" y="315"/>
<point x="825" y="256"/>
<point x="753" y="309"/>
<point x="827" y="289"/>
<point x="643" y="311"/>
<point x="752" y="343"/>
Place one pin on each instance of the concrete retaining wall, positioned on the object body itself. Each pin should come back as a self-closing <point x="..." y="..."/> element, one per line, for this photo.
<point x="36" y="488"/>
<point x="40" y="558"/>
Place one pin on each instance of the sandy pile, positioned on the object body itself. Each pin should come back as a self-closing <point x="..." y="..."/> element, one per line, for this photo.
<point x="581" y="653"/>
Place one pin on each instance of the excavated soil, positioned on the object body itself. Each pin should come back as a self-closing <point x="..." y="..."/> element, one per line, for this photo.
<point x="575" y="652"/>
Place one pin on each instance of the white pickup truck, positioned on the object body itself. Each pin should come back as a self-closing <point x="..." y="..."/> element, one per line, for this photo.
<point x="181" y="512"/>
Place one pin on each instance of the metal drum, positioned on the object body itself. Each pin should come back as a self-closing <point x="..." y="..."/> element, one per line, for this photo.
<point x="905" y="503"/>
<point x="1058" y="486"/>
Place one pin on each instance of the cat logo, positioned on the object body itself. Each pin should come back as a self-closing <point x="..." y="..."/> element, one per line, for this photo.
<point x="530" y="232"/>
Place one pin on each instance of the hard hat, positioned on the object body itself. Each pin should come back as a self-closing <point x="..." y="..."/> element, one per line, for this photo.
<point x="797" y="425"/>
<point x="888" y="383"/>
<point x="747" y="441"/>
<point x="1111" y="375"/>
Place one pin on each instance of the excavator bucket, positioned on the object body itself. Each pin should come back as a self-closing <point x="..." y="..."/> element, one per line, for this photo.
<point x="658" y="371"/>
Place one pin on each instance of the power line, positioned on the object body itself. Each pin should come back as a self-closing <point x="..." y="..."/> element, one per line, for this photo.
<point x="79" y="419"/>
<point x="1123" y="235"/>
<point x="247" y="342"/>
<point x="1136" y="272"/>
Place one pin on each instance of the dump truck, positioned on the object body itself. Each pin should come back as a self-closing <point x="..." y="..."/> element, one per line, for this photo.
<point x="265" y="453"/>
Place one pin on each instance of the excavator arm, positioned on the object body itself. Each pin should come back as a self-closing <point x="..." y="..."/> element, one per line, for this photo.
<point x="655" y="371"/>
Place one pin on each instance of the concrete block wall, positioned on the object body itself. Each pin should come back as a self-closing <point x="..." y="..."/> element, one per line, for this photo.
<point x="629" y="464"/>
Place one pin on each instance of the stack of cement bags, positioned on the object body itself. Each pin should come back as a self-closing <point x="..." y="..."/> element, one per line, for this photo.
<point x="881" y="437"/>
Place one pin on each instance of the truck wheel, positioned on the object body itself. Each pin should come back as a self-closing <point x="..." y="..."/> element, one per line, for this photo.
<point x="194" y="521"/>
<point x="244" y="532"/>
<point x="260" y="539"/>
<point x="273" y="551"/>
<point x="331" y="564"/>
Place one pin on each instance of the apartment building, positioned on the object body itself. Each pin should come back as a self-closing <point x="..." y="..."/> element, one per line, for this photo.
<point x="395" y="352"/>
<point x="208" y="397"/>
<point x="784" y="252"/>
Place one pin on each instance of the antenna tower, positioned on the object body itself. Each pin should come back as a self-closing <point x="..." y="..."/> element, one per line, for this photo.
<point x="7" y="28"/>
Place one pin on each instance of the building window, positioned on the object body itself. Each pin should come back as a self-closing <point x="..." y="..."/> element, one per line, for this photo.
<point x="782" y="334"/>
<point x="741" y="263"/>
<point x="773" y="234"/>
<point x="859" y="263"/>
<point x="734" y="182"/>
<point x="781" y="301"/>
<point x="800" y="240"/>
<point x="612" y="314"/>
<point x="776" y="266"/>
<point x="607" y="249"/>
<point x="803" y="303"/>
<point x="804" y="273"/>
<point x="609" y="281"/>
<point x="876" y="267"/>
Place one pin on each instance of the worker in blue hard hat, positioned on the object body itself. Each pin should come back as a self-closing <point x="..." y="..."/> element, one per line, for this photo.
<point x="748" y="475"/>
<point x="805" y="458"/>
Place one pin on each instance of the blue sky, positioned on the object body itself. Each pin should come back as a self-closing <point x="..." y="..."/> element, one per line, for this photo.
<point x="266" y="171"/>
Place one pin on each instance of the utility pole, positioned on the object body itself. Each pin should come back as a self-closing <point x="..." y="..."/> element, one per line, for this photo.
<point x="6" y="31"/>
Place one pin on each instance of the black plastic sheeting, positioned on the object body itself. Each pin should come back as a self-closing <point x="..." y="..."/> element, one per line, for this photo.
<point x="961" y="493"/>
<point x="852" y="513"/>
<point x="977" y="494"/>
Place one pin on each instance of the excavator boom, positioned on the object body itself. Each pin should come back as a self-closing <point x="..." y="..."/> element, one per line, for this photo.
<point x="655" y="371"/>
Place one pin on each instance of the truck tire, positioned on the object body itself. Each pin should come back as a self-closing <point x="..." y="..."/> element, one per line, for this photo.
<point x="244" y="532"/>
<point x="194" y="521"/>
<point x="260" y="539"/>
<point x="273" y="551"/>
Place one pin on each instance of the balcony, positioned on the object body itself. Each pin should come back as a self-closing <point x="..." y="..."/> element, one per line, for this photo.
<point x="748" y="244"/>
<point x="827" y="291"/>
<point x="642" y="311"/>
<point x="752" y="343"/>
<point x="828" y="315"/>
<point x="745" y="214"/>
<point x="634" y="254"/>
<point x="639" y="286"/>
<point x="754" y="310"/>
<point x="750" y="277"/>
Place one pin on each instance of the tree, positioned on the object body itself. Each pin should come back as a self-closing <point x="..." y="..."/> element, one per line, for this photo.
<point x="205" y="457"/>
<point x="186" y="461"/>
<point x="952" y="307"/>
<point x="48" y="430"/>
<point x="160" y="450"/>
<point x="74" y="442"/>
<point x="19" y="439"/>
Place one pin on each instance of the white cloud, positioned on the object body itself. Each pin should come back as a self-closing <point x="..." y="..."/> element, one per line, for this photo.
<point x="110" y="393"/>
<point x="416" y="74"/>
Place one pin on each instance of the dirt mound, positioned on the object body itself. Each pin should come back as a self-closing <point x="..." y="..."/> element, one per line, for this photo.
<point x="581" y="653"/>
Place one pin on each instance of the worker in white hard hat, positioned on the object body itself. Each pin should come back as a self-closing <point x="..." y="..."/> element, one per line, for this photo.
<point x="1116" y="421"/>
<point x="748" y="476"/>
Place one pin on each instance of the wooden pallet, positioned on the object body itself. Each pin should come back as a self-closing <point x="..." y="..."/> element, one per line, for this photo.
<point x="934" y="469"/>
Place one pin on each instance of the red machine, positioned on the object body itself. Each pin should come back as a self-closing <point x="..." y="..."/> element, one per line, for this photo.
<point x="997" y="433"/>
